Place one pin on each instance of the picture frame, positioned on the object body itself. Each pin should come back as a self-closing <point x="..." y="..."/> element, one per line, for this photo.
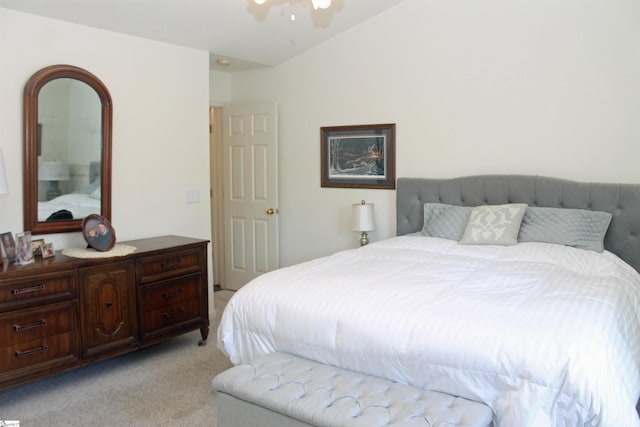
<point x="98" y="232"/>
<point x="9" y="246"/>
<point x="36" y="247"/>
<point x="48" y="251"/>
<point x="358" y="156"/>
<point x="23" y="244"/>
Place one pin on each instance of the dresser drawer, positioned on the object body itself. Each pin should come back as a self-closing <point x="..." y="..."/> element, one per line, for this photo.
<point x="153" y="268"/>
<point x="170" y="315"/>
<point x="28" y="325"/>
<point x="35" y="351"/>
<point x="40" y="289"/>
<point x="171" y="292"/>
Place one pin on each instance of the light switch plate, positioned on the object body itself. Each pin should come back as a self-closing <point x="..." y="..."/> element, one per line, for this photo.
<point x="192" y="196"/>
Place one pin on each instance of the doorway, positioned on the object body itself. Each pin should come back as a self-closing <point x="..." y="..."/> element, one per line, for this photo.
<point x="244" y="197"/>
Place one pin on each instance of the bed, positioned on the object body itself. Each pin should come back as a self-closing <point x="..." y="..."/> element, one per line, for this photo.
<point x="546" y="334"/>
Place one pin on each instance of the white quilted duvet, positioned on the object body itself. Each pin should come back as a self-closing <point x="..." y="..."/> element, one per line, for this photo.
<point x="545" y="335"/>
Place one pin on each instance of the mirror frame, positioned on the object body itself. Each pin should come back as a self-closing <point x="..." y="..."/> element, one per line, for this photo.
<point x="30" y="168"/>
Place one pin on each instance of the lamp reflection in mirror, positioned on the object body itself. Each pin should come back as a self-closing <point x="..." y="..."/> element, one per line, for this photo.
<point x="4" y="187"/>
<point x="362" y="220"/>
<point x="54" y="172"/>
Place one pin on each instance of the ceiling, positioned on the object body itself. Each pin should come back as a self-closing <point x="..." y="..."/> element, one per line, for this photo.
<point x="240" y="31"/>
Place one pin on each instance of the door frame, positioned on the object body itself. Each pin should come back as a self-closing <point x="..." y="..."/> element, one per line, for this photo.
<point x="217" y="194"/>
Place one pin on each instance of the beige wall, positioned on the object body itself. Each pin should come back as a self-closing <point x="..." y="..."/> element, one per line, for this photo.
<point x="219" y="88"/>
<point x="493" y="86"/>
<point x="160" y="122"/>
<point x="545" y="87"/>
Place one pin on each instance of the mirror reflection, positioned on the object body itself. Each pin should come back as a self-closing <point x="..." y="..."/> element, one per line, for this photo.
<point x="69" y="150"/>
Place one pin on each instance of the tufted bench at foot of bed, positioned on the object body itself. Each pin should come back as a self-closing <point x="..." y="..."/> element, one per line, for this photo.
<point x="286" y="391"/>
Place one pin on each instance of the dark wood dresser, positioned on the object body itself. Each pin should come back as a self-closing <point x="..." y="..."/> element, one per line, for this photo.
<point x="60" y="313"/>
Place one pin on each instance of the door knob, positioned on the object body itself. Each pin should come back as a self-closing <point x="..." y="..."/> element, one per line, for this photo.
<point x="270" y="211"/>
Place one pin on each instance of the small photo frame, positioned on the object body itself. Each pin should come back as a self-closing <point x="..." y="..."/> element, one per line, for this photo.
<point x="36" y="247"/>
<point x="9" y="246"/>
<point x="48" y="251"/>
<point x="359" y="156"/>
<point x="98" y="233"/>
<point x="23" y="243"/>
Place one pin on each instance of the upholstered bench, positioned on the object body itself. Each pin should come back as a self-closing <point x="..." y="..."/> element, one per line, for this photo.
<point x="286" y="391"/>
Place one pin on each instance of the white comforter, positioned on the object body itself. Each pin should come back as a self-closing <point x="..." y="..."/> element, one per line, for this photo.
<point x="545" y="335"/>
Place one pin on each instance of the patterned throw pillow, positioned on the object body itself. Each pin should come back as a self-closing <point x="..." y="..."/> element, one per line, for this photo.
<point x="494" y="225"/>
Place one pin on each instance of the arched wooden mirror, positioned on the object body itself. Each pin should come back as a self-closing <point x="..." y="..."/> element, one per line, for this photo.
<point x="67" y="149"/>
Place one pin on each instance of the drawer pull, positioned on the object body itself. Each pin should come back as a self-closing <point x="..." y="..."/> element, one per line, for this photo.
<point x="167" y="295"/>
<point x="37" y="288"/>
<point x="170" y="314"/>
<point x="42" y="347"/>
<point x="39" y="324"/>
<point x="171" y="264"/>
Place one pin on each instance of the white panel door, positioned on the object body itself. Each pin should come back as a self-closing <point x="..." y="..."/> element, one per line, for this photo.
<point x="250" y="192"/>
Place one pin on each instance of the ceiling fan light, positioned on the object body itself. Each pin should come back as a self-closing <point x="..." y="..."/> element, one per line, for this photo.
<point x="321" y="4"/>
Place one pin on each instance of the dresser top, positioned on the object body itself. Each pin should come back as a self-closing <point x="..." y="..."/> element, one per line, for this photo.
<point x="143" y="247"/>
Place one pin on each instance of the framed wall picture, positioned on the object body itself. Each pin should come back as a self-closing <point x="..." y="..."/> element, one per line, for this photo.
<point x="358" y="156"/>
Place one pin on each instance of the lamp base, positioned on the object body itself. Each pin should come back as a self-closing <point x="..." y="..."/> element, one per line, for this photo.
<point x="364" y="239"/>
<point x="54" y="191"/>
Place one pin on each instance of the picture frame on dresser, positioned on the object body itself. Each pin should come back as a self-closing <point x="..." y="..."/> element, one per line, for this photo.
<point x="47" y="250"/>
<point x="9" y="247"/>
<point x="98" y="233"/>
<point x="36" y="247"/>
<point x="358" y="156"/>
<point x="24" y="248"/>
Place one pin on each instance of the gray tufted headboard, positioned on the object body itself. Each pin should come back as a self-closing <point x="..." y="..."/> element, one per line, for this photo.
<point x="621" y="200"/>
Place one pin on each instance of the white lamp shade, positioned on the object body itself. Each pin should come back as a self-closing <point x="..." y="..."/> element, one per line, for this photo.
<point x="362" y="217"/>
<point x="4" y="187"/>
<point x="53" y="171"/>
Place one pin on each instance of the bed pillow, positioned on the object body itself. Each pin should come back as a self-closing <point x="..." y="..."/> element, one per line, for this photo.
<point x="96" y="194"/>
<point x="89" y="188"/>
<point x="494" y="225"/>
<point x="445" y="221"/>
<point x="578" y="228"/>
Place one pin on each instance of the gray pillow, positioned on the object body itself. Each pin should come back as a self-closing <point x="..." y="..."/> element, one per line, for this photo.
<point x="494" y="225"/>
<point x="445" y="221"/>
<point x="578" y="228"/>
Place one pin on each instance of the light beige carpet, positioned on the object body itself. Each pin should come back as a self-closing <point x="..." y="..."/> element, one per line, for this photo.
<point x="167" y="384"/>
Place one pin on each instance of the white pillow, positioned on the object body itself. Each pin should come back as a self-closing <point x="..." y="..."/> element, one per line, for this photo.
<point x="96" y="194"/>
<point x="494" y="225"/>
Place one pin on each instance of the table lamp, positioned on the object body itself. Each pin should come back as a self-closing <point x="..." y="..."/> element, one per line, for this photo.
<point x="362" y="220"/>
